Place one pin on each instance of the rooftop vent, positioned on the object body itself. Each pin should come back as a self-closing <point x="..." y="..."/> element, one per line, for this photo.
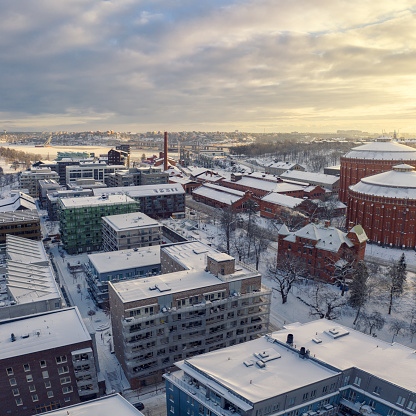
<point x="248" y="363"/>
<point x="260" y="364"/>
<point x="316" y="340"/>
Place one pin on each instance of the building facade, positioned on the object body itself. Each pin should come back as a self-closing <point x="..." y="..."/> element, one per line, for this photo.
<point x="46" y="362"/>
<point x="29" y="179"/>
<point x="320" y="247"/>
<point x="24" y="223"/>
<point x="385" y="205"/>
<point x="80" y="219"/>
<point x="370" y="159"/>
<point x="201" y="302"/>
<point x="316" y="368"/>
<point x="98" y="171"/>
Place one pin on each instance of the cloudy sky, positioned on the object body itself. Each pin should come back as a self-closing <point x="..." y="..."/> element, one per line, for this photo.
<point x="251" y="65"/>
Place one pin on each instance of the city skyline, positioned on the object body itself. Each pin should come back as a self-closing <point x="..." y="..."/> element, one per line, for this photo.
<point x="251" y="65"/>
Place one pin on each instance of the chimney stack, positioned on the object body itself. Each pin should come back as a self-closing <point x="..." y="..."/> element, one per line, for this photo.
<point x="165" y="155"/>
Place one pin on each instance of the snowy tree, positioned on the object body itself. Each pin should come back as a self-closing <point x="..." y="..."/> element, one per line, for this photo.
<point x="285" y="273"/>
<point x="396" y="278"/>
<point x="324" y="302"/>
<point x="240" y="245"/>
<point x="227" y="220"/>
<point x="397" y="326"/>
<point x="261" y="241"/>
<point x="412" y="331"/>
<point x="372" y="321"/>
<point x="250" y="226"/>
<point x="344" y="268"/>
<point x="359" y="288"/>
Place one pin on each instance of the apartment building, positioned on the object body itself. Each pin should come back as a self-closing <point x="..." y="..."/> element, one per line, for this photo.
<point x="115" y="266"/>
<point x="46" y="362"/>
<point x="29" y="179"/>
<point x="80" y="219"/>
<point x="25" y="223"/>
<point x="90" y="170"/>
<point x="134" y="230"/>
<point x="204" y="300"/>
<point x="156" y="201"/>
<point x="317" y="368"/>
<point x="138" y="176"/>
<point x="45" y="187"/>
<point x="52" y="200"/>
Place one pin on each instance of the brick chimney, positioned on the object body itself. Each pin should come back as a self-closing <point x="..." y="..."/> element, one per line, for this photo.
<point x="165" y="155"/>
<point x="327" y="223"/>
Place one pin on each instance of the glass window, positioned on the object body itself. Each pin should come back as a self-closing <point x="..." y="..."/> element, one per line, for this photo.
<point x="32" y="388"/>
<point x="12" y="382"/>
<point x="16" y="392"/>
<point x="9" y="371"/>
<point x="42" y="363"/>
<point x="47" y="384"/>
<point x="29" y="378"/>
<point x="61" y="359"/>
<point x="65" y="380"/>
<point x="63" y="370"/>
<point x="19" y="402"/>
<point x="67" y="389"/>
<point x="35" y="398"/>
<point x="50" y="394"/>
<point x="45" y="374"/>
<point x="26" y="367"/>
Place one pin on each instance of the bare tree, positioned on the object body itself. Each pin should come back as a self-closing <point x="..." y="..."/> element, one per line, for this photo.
<point x="344" y="267"/>
<point x="227" y="220"/>
<point x="261" y="241"/>
<point x="324" y="302"/>
<point x="396" y="327"/>
<point x="250" y="226"/>
<point x="359" y="288"/>
<point x="240" y="245"/>
<point x="412" y="331"/>
<point x="285" y="273"/>
<point x="372" y="321"/>
<point x="397" y="277"/>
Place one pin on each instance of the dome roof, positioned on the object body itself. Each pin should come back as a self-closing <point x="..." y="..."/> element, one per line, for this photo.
<point x="382" y="149"/>
<point x="397" y="183"/>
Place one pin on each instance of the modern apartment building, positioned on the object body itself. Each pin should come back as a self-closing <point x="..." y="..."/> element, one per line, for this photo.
<point x="27" y="280"/>
<point x="318" y="368"/>
<point x="45" y="187"/>
<point x="204" y="300"/>
<point x="29" y="179"/>
<point x="134" y="230"/>
<point x="52" y="200"/>
<point x="46" y="362"/>
<point x="90" y="170"/>
<point x="80" y="219"/>
<point x="115" y="266"/>
<point x="156" y="201"/>
<point x="137" y="176"/>
<point x="24" y="223"/>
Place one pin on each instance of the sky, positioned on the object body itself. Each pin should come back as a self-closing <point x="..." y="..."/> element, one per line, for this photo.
<point x="208" y="65"/>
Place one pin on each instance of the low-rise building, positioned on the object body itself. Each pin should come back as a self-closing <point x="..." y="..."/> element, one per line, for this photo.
<point x="156" y="201"/>
<point x="80" y="219"/>
<point x="115" y="266"/>
<point x="46" y="362"/>
<point x="134" y="230"/>
<point x="317" y="368"/>
<point x="18" y="201"/>
<point x="45" y="187"/>
<point x="25" y="223"/>
<point x="203" y="300"/>
<point x="29" y="179"/>
<point x="329" y="182"/>
<point x="277" y="168"/>
<point x="321" y="247"/>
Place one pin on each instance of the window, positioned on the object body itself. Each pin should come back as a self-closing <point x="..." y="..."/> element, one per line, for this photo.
<point x="372" y="404"/>
<point x="19" y="402"/>
<point x="16" y="392"/>
<point x="357" y="381"/>
<point x="400" y="400"/>
<point x="65" y="380"/>
<point x="50" y="394"/>
<point x="45" y="374"/>
<point x="12" y="382"/>
<point x="63" y="370"/>
<point x="305" y="396"/>
<point x="377" y="390"/>
<point x="32" y="388"/>
<point x="67" y="399"/>
<point x="26" y="367"/>
<point x="42" y="363"/>
<point x="9" y="371"/>
<point x="29" y="378"/>
<point x="313" y="394"/>
<point x="35" y="398"/>
<point x="47" y="384"/>
<point x="291" y="401"/>
<point x="346" y="380"/>
<point x="325" y="389"/>
<point x="392" y="413"/>
<point x="67" y="389"/>
<point x="61" y="359"/>
<point x="171" y="397"/>
<point x="411" y="405"/>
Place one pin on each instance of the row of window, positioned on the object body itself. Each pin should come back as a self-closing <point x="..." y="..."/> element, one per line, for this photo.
<point x="35" y="397"/>
<point x="45" y="375"/>
<point x="42" y="363"/>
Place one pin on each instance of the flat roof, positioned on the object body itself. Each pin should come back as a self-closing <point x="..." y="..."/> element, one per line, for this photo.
<point x="87" y="201"/>
<point x="142" y="190"/>
<point x="125" y="259"/>
<point x="28" y="215"/>
<point x="41" y="332"/>
<point x="392" y="362"/>
<point x="130" y="221"/>
<point x="111" y="405"/>
<point x="235" y="369"/>
<point x="24" y="250"/>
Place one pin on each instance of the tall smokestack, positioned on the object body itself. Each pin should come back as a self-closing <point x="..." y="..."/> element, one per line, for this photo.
<point x="165" y="153"/>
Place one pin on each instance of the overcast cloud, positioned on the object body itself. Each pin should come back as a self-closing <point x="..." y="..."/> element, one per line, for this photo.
<point x="278" y="65"/>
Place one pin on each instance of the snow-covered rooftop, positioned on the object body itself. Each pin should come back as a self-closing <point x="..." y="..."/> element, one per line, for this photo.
<point x="125" y="259"/>
<point x="182" y="181"/>
<point x="219" y="193"/>
<point x="132" y="221"/>
<point x="16" y="201"/>
<point x="283" y="200"/>
<point x="310" y="177"/>
<point x="392" y="362"/>
<point x="397" y="183"/>
<point x="104" y="406"/>
<point x="142" y="190"/>
<point x="383" y="150"/>
<point x="88" y="201"/>
<point x="23" y="250"/>
<point x="19" y="216"/>
<point x="43" y="331"/>
<point x="234" y="368"/>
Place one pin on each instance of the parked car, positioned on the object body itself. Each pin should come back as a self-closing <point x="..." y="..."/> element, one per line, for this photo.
<point x="139" y="406"/>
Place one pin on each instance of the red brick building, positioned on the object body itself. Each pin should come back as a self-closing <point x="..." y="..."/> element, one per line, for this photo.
<point x="321" y="246"/>
<point x="46" y="362"/>
<point x="370" y="159"/>
<point x="385" y="205"/>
